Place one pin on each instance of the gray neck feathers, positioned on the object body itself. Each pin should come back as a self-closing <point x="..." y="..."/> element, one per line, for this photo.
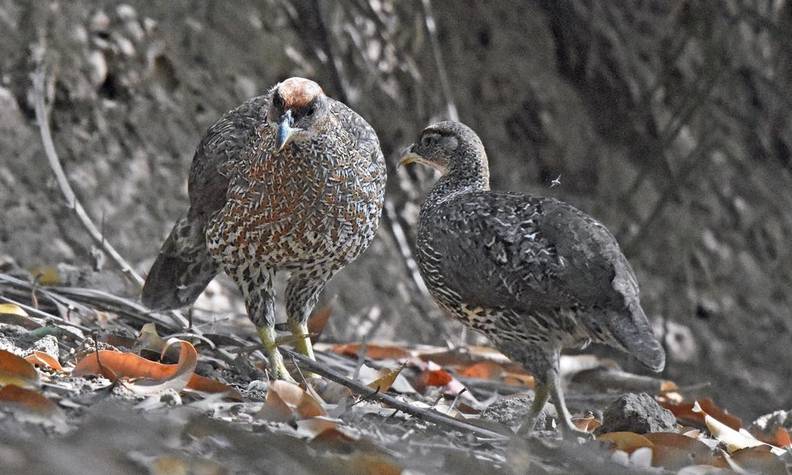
<point x="467" y="172"/>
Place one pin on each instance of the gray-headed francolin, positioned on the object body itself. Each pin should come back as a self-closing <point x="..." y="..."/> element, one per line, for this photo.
<point x="289" y="181"/>
<point x="533" y="274"/>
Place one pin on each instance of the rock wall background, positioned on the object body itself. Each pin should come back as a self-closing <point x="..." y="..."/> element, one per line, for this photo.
<point x="668" y="121"/>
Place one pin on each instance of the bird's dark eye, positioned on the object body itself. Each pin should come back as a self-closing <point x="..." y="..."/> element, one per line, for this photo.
<point x="311" y="110"/>
<point x="427" y="140"/>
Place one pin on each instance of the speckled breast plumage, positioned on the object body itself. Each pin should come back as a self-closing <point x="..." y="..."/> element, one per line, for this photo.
<point x="312" y="205"/>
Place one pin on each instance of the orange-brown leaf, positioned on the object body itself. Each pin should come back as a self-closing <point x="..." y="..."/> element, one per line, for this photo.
<point x="758" y="460"/>
<point x="781" y="438"/>
<point x="685" y="412"/>
<point x="114" y="365"/>
<point x="318" y="321"/>
<point x="519" y="379"/>
<point x="15" y="370"/>
<point x="376" y="352"/>
<point x="438" y="377"/>
<point x="626" y="441"/>
<point x="588" y="423"/>
<point x="483" y="370"/>
<point x="27" y="399"/>
<point x="40" y="358"/>
<point x="675" y="451"/>
<point x="209" y="385"/>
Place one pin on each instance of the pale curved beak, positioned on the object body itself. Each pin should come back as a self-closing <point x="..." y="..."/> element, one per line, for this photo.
<point x="285" y="130"/>
<point x="409" y="157"/>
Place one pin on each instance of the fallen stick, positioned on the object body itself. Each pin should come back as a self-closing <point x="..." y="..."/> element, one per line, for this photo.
<point x="428" y="415"/>
<point x="91" y="298"/>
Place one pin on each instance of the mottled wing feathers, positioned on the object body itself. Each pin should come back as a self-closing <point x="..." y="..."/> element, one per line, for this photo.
<point x="364" y="137"/>
<point x="224" y="142"/>
<point x="532" y="254"/>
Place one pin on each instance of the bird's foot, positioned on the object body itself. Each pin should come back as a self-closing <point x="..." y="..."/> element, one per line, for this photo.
<point x="570" y="432"/>
<point x="277" y="367"/>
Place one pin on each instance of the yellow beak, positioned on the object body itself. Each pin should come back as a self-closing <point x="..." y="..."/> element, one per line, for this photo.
<point x="409" y="157"/>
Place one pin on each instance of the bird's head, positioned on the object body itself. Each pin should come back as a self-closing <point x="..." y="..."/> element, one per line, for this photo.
<point x="448" y="147"/>
<point x="298" y="104"/>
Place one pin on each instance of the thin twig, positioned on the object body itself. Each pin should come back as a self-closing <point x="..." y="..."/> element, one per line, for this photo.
<point x="423" y="414"/>
<point x="93" y="298"/>
<point x="72" y="202"/>
<point x="445" y="85"/>
<point x="43" y="314"/>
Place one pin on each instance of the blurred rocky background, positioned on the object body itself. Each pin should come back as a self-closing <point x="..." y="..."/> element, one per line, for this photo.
<point x="668" y="121"/>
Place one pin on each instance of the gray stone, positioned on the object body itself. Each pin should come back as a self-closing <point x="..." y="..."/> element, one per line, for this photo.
<point x="512" y="410"/>
<point x="638" y="413"/>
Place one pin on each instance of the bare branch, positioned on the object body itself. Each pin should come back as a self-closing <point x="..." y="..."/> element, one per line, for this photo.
<point x="428" y="415"/>
<point x="92" y="298"/>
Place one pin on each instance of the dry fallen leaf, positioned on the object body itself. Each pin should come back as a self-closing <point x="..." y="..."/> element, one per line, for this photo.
<point x="384" y="382"/>
<point x="626" y="441"/>
<point x="519" y="379"/>
<point x="15" y="370"/>
<point x="318" y="321"/>
<point x="16" y="315"/>
<point x="314" y="426"/>
<point x="483" y="370"/>
<point x="589" y="423"/>
<point x="756" y="460"/>
<point x="275" y="408"/>
<point x="684" y="411"/>
<point x="27" y="399"/>
<point x="376" y="352"/>
<point x="149" y="339"/>
<point x="287" y="400"/>
<point x="208" y="385"/>
<point x="40" y="358"/>
<point x="674" y="451"/>
<point x="732" y="439"/>
<point x="115" y="364"/>
<point x="436" y="377"/>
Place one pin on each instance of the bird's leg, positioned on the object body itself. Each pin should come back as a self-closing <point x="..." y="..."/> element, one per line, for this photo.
<point x="261" y="309"/>
<point x="567" y="427"/>
<point x="302" y="293"/>
<point x="541" y="395"/>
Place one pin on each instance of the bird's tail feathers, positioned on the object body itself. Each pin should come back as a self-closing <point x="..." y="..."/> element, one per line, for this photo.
<point x="182" y="269"/>
<point x="633" y="334"/>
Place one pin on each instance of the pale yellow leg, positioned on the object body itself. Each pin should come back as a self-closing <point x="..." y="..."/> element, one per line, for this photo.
<point x="303" y="343"/>
<point x="268" y="337"/>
